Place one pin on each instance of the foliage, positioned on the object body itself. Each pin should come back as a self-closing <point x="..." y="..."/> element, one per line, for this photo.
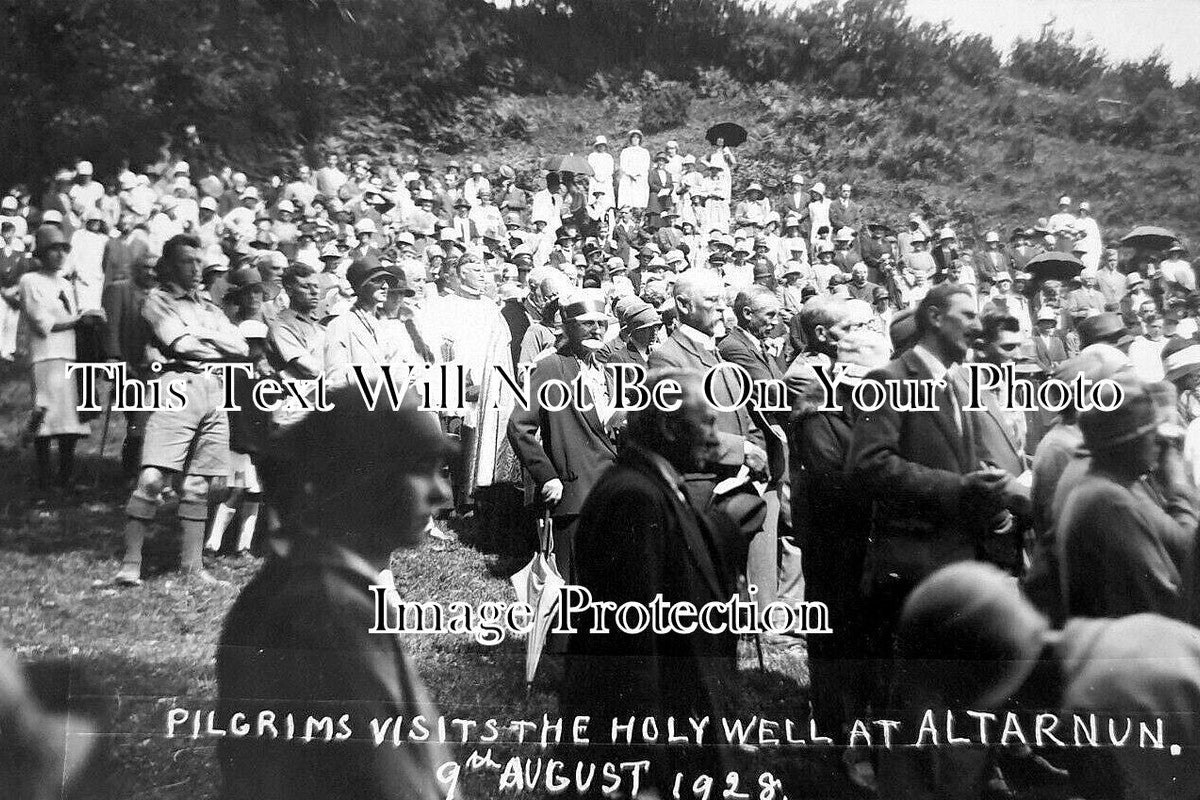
<point x="664" y="105"/>
<point x="1055" y="59"/>
<point x="1140" y="78"/>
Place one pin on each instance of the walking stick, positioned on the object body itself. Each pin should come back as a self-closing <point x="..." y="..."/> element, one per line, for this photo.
<point x="758" y="646"/>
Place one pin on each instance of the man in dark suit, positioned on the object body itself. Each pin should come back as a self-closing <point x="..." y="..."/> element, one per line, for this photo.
<point x="699" y="305"/>
<point x="575" y="445"/>
<point x="125" y="339"/>
<point x="921" y="469"/>
<point x="758" y="312"/>
<point x="298" y="640"/>
<point x="640" y="536"/>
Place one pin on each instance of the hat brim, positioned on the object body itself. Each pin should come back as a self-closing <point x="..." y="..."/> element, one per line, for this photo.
<point x="591" y="316"/>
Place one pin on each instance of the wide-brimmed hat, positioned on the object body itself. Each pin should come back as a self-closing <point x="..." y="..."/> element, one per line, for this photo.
<point x="967" y="634"/>
<point x="362" y="271"/>
<point x="1100" y="328"/>
<point x="1181" y="357"/>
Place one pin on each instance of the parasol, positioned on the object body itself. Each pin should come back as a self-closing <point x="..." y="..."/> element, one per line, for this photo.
<point x="540" y="585"/>
<point x="731" y="132"/>
<point x="1053" y="266"/>
<point x="1150" y="237"/>
<point x="568" y="163"/>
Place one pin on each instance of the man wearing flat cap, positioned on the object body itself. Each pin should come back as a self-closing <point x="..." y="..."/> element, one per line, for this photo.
<point x="566" y="451"/>
<point x="1128" y="548"/>
<point x="299" y="641"/>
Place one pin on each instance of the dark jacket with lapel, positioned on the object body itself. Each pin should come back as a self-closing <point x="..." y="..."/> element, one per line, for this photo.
<point x="638" y="537"/>
<point x="912" y="464"/>
<point x="733" y="427"/>
<point x="573" y="445"/>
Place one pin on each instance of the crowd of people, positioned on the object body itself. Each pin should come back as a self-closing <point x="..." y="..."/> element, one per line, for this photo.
<point x="669" y="263"/>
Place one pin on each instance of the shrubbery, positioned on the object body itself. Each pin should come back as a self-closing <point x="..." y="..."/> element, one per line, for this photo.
<point x="1055" y="59"/>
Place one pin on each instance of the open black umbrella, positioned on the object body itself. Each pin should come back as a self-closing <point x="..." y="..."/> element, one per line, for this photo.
<point x="1150" y="237"/>
<point x="1053" y="266"/>
<point x="569" y="163"/>
<point x="731" y="132"/>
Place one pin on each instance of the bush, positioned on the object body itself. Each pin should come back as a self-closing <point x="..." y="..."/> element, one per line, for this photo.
<point x="1140" y="78"/>
<point x="974" y="60"/>
<point x="1054" y="59"/>
<point x="665" y="107"/>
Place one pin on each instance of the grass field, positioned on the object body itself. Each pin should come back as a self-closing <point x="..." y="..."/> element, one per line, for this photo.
<point x="135" y="653"/>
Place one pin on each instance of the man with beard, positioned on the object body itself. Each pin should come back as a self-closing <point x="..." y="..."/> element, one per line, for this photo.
<point x="641" y="536"/>
<point x="576" y="444"/>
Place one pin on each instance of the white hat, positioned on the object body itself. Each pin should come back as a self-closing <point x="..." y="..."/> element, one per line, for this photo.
<point x="208" y="203"/>
<point x="792" y="268"/>
<point x="1079" y="247"/>
<point x="672" y="143"/>
<point x="844" y="235"/>
<point x="84" y="168"/>
<point x="249" y="191"/>
<point x="689" y="159"/>
<point x="1084" y="205"/>
<point x="182" y="168"/>
<point x="819" y="188"/>
<point x="476" y="169"/>
<point x="754" y="187"/>
<point x="364" y="226"/>
<point x="1003" y="276"/>
<point x="287" y="205"/>
<point x="8" y="203"/>
<point x="1047" y="314"/>
<point x="991" y="236"/>
<point x="600" y="140"/>
<point x="824" y="247"/>
<point x="798" y="179"/>
<point x="847" y="187"/>
<point x="1064" y="200"/>
<point x="946" y="233"/>
<point x="405" y="237"/>
<point x="52" y="216"/>
<point x="330" y="250"/>
<point x="917" y="237"/>
<point x="127" y="180"/>
<point x="634" y="132"/>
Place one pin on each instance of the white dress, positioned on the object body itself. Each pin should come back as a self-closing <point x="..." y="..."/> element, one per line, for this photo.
<point x="602" y="179"/>
<point x="634" y="190"/>
<point x="46" y="300"/>
<point x="725" y="158"/>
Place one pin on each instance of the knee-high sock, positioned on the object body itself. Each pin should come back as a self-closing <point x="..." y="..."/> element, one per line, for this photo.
<point x="221" y="517"/>
<point x="249" y="522"/>
<point x="135" y="534"/>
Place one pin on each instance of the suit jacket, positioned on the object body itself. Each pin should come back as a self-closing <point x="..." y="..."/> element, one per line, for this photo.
<point x="1049" y="356"/>
<point x="912" y="464"/>
<point x="639" y="536"/>
<point x="573" y="445"/>
<point x="843" y="215"/>
<point x="518" y="320"/>
<point x="733" y="427"/>
<point x="126" y="332"/>
<point x="988" y="263"/>
<point x="296" y="639"/>
<point x="350" y="341"/>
